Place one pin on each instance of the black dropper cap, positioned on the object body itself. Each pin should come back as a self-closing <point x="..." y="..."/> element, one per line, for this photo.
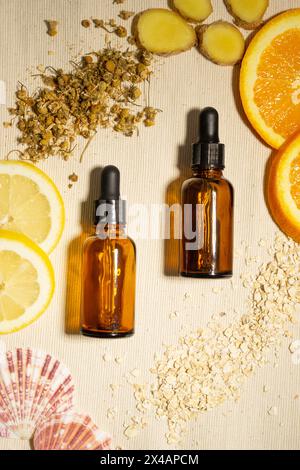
<point x="110" y="208"/>
<point x="208" y="153"/>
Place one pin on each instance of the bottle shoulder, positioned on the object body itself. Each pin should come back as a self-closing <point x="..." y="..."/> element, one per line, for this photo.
<point x="96" y="242"/>
<point x="196" y="189"/>
<point x="200" y="181"/>
<point x="132" y="242"/>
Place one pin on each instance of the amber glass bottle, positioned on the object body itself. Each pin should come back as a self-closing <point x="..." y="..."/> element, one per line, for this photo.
<point x="109" y="260"/>
<point x="207" y="204"/>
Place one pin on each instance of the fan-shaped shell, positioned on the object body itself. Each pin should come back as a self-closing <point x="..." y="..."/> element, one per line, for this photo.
<point x="70" y="432"/>
<point x="33" y="387"/>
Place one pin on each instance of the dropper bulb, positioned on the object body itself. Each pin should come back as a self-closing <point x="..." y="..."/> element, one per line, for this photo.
<point x="209" y="126"/>
<point x="208" y="153"/>
<point x="110" y="183"/>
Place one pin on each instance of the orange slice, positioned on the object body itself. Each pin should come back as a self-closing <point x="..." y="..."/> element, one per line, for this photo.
<point x="270" y="79"/>
<point x="284" y="188"/>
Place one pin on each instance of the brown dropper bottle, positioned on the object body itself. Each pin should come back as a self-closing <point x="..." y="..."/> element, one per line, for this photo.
<point x="207" y="204"/>
<point x="109" y="264"/>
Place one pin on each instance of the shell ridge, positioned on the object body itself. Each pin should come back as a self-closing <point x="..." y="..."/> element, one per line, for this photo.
<point x="73" y="431"/>
<point x="33" y="387"/>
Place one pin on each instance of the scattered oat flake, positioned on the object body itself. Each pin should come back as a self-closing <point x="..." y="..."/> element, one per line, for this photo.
<point x="111" y="413"/>
<point x="137" y="423"/>
<point x="209" y="366"/>
<point x="238" y="253"/>
<point x="296" y="357"/>
<point x="106" y="357"/>
<point x="119" y="359"/>
<point x="273" y="411"/>
<point x="131" y="431"/>
<point x="216" y="290"/>
<point x="173" y="315"/>
<point x="294" y="346"/>
<point x="114" y="387"/>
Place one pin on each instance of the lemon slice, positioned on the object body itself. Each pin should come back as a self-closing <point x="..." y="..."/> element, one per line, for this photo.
<point x="30" y="204"/>
<point x="26" y="281"/>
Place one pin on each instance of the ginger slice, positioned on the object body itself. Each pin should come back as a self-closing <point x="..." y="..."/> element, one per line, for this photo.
<point x="248" y="14"/>
<point x="221" y="42"/>
<point x="164" y="32"/>
<point x="193" y="10"/>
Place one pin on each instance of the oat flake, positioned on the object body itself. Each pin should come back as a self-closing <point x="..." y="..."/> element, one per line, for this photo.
<point x="208" y="367"/>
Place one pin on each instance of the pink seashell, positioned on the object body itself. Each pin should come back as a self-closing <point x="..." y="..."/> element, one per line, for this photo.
<point x="33" y="387"/>
<point x="70" y="432"/>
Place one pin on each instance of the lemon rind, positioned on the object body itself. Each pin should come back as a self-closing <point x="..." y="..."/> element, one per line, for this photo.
<point x="58" y="219"/>
<point x="12" y="240"/>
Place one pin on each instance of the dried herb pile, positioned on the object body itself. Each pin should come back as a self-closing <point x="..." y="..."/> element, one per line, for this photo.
<point x="101" y="90"/>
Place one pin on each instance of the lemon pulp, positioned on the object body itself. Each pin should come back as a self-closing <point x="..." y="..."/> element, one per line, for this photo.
<point x="18" y="285"/>
<point x="295" y="180"/>
<point x="26" y="281"/>
<point x="23" y="208"/>
<point x="30" y="204"/>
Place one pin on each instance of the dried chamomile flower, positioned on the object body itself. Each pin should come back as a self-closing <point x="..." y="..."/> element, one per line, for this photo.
<point x="73" y="177"/>
<point x="7" y="124"/>
<point x="99" y="91"/>
<point x="112" y="22"/>
<point x="131" y="40"/>
<point x="86" y="23"/>
<point x="88" y="59"/>
<point x="121" y="31"/>
<point x="145" y="57"/>
<point x="135" y="93"/>
<point x="125" y="15"/>
<point x="150" y="115"/>
<point x="51" y="27"/>
<point x="98" y="23"/>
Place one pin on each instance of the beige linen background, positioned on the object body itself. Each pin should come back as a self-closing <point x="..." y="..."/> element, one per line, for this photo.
<point x="150" y="164"/>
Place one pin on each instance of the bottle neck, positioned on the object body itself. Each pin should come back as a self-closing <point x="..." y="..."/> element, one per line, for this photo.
<point x="104" y="230"/>
<point x="212" y="173"/>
